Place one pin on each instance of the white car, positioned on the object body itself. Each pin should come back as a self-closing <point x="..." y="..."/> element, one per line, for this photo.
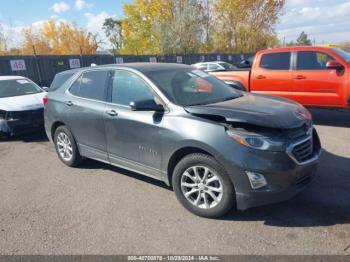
<point x="21" y="105"/>
<point x="215" y="66"/>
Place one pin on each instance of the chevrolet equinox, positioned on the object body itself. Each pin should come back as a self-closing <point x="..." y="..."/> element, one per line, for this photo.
<point x="217" y="147"/>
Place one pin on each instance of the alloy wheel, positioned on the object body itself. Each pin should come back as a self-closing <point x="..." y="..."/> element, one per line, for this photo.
<point x="202" y="187"/>
<point x="64" y="146"/>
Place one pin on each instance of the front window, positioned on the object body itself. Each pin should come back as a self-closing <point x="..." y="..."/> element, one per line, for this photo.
<point x="186" y="87"/>
<point x="18" y="87"/>
<point x="128" y="87"/>
<point x="342" y="53"/>
<point x="227" y="66"/>
<point x="311" y="60"/>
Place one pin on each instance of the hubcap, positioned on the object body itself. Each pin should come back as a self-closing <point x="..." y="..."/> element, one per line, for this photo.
<point x="64" y="147"/>
<point x="202" y="187"/>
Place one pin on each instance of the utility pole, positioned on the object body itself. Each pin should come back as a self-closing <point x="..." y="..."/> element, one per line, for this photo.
<point x="37" y="65"/>
<point x="81" y="56"/>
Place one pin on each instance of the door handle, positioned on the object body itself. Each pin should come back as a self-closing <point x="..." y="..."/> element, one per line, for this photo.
<point x="299" y="77"/>
<point x="69" y="103"/>
<point x="261" y="77"/>
<point x="112" y="112"/>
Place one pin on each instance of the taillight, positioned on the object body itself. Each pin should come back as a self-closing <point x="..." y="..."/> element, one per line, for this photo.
<point x="45" y="100"/>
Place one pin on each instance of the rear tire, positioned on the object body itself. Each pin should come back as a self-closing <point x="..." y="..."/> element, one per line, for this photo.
<point x="202" y="186"/>
<point x="66" y="147"/>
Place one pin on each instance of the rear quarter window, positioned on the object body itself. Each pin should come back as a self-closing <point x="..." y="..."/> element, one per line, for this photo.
<point x="91" y="85"/>
<point x="276" y="61"/>
<point x="59" y="80"/>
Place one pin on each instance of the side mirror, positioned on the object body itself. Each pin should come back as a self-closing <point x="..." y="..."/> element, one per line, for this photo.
<point x="334" y="65"/>
<point x="146" y="105"/>
<point x="45" y="88"/>
<point x="245" y="62"/>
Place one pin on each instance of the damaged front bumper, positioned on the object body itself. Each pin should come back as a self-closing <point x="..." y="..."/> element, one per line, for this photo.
<point x="286" y="175"/>
<point x="21" y="122"/>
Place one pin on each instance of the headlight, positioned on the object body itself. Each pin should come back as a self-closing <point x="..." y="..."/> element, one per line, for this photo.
<point x="256" y="141"/>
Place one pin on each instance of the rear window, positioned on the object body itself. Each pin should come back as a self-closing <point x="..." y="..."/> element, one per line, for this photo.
<point x="59" y="80"/>
<point x="276" y="61"/>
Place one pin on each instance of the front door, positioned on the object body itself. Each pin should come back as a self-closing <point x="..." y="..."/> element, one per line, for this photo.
<point x="134" y="138"/>
<point x="314" y="84"/>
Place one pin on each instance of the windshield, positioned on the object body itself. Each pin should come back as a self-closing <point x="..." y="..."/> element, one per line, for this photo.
<point x="343" y="54"/>
<point x="18" y="87"/>
<point x="186" y="87"/>
<point x="227" y="66"/>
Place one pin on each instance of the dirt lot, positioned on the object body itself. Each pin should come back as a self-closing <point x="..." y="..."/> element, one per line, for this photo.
<point x="47" y="208"/>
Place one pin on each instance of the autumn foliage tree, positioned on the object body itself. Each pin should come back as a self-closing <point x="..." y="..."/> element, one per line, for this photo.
<point x="188" y="26"/>
<point x="246" y="26"/>
<point x="140" y="33"/>
<point x="60" y="38"/>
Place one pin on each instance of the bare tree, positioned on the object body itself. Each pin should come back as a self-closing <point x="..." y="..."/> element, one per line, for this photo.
<point x="183" y="34"/>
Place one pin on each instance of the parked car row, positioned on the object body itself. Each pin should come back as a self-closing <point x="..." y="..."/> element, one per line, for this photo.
<point x="219" y="147"/>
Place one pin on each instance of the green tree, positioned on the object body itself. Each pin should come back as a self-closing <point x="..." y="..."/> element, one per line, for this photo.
<point x="303" y="39"/>
<point x="113" y="30"/>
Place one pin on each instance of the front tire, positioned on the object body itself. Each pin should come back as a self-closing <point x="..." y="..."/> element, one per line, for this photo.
<point x="66" y="147"/>
<point x="202" y="186"/>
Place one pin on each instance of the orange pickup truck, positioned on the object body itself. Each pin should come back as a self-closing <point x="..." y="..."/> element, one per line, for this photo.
<point x="310" y="75"/>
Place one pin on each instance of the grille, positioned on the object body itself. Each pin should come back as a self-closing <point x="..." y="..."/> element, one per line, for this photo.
<point x="298" y="133"/>
<point x="28" y="115"/>
<point x="303" y="151"/>
<point x="302" y="181"/>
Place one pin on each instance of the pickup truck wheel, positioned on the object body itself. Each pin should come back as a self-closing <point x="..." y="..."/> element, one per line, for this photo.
<point x="202" y="186"/>
<point x="66" y="147"/>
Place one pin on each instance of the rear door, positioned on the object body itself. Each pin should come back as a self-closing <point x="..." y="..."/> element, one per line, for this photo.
<point x="271" y="75"/>
<point x="314" y="84"/>
<point x="84" y="109"/>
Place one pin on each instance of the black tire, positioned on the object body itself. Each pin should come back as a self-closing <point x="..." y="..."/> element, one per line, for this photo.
<point x="228" y="199"/>
<point x="76" y="158"/>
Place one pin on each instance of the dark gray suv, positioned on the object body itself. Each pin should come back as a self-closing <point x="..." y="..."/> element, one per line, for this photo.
<point x="217" y="147"/>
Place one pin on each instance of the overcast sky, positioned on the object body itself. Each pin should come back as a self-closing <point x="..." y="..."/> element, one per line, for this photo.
<point x="325" y="21"/>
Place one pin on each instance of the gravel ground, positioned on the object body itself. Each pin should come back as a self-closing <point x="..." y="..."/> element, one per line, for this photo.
<point x="48" y="208"/>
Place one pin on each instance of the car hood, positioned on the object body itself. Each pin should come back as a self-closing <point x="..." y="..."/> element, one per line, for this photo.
<point x="22" y="103"/>
<point x="258" y="110"/>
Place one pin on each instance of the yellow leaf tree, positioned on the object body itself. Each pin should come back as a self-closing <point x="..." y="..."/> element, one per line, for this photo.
<point x="246" y="26"/>
<point x="138" y="26"/>
<point x="58" y="39"/>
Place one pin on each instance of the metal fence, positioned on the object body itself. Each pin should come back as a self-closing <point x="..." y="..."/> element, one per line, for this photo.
<point x="42" y="69"/>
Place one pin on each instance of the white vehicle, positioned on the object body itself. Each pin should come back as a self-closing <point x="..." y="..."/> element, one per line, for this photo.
<point x="21" y="105"/>
<point x="215" y="66"/>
